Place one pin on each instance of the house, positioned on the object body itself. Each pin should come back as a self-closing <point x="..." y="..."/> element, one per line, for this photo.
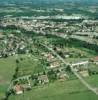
<point x="18" y="89"/>
<point x="62" y="75"/>
<point x="1" y="35"/>
<point x="84" y="73"/>
<point x="27" y="86"/>
<point x="80" y="63"/>
<point x="43" y="79"/>
<point x="66" y="54"/>
<point x="54" y="64"/>
<point x="50" y="57"/>
<point x="95" y="60"/>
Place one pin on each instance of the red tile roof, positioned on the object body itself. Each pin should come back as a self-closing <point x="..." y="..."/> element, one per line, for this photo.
<point x="95" y="58"/>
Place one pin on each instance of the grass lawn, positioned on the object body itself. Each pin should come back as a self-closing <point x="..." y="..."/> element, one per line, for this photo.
<point x="93" y="80"/>
<point x="29" y="65"/>
<point x="67" y="90"/>
<point x="7" y="68"/>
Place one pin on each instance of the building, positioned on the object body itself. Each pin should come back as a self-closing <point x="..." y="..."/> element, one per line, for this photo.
<point x="84" y="73"/>
<point x="95" y="60"/>
<point x="80" y="63"/>
<point x="43" y="79"/>
<point x="18" y="89"/>
<point x="80" y="66"/>
<point x="62" y="75"/>
<point x="1" y="36"/>
<point x="54" y="64"/>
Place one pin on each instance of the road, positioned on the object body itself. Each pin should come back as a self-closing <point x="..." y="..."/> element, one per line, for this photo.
<point x="94" y="90"/>
<point x="85" y="39"/>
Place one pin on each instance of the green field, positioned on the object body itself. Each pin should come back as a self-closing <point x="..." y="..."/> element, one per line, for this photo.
<point x="7" y="68"/>
<point x="29" y="65"/>
<point x="67" y="90"/>
<point x="93" y="80"/>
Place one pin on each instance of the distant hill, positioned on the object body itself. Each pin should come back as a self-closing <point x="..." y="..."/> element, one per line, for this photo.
<point x="46" y="1"/>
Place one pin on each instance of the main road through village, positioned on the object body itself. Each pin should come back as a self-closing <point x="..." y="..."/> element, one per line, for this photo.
<point x="94" y="90"/>
<point x="91" y="88"/>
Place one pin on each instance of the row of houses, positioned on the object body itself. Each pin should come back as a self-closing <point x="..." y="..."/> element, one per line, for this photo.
<point x="81" y="67"/>
<point x="19" y="88"/>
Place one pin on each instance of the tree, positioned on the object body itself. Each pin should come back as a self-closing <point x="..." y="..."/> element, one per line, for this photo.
<point x="17" y="61"/>
<point x="52" y="75"/>
<point x="68" y="69"/>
